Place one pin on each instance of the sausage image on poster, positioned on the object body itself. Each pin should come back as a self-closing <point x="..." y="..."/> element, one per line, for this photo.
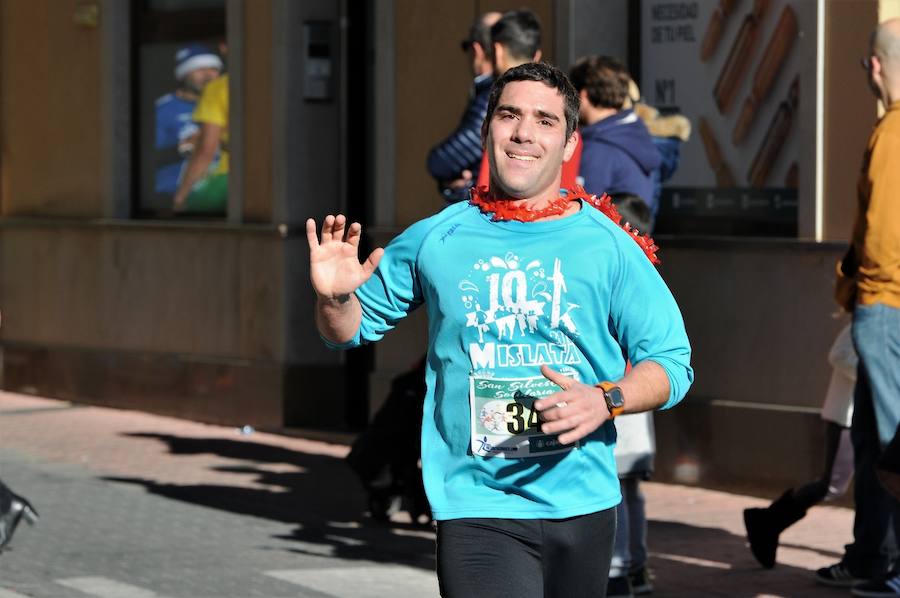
<point x="741" y="71"/>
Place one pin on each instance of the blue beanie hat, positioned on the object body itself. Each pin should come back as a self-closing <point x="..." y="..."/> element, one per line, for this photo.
<point x="193" y="57"/>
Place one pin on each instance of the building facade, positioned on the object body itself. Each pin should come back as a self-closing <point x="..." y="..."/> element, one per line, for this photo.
<point x="108" y="299"/>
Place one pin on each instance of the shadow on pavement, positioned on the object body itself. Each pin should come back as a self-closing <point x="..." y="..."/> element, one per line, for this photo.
<point x="322" y="497"/>
<point x="320" y="494"/>
<point x="690" y="560"/>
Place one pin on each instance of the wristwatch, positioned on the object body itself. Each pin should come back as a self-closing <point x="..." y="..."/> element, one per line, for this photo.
<point x="615" y="400"/>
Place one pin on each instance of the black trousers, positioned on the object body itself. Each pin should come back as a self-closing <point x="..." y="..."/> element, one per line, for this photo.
<point x="526" y="558"/>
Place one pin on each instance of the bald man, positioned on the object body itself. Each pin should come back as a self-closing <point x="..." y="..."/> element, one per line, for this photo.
<point x="869" y="287"/>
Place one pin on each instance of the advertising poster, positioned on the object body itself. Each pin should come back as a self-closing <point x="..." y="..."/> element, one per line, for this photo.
<point x="743" y="73"/>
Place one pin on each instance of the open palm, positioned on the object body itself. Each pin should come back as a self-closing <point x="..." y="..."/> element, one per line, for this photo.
<point x="335" y="269"/>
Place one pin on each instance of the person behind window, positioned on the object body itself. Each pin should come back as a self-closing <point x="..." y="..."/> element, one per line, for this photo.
<point x="176" y="132"/>
<point x="204" y="185"/>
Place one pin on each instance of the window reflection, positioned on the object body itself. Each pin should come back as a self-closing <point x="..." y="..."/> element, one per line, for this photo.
<point x="182" y="107"/>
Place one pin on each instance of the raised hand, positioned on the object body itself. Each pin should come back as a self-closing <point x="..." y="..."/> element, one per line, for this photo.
<point x="335" y="269"/>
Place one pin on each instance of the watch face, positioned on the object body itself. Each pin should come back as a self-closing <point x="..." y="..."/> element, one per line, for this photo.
<point x="615" y="398"/>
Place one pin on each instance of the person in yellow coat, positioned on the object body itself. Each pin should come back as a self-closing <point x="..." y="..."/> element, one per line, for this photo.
<point x="869" y="288"/>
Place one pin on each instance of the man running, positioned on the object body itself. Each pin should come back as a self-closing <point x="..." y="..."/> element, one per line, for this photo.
<point x="535" y="301"/>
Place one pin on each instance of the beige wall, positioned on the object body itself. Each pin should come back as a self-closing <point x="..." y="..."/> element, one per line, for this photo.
<point x="850" y="109"/>
<point x="177" y="290"/>
<point x="49" y="116"/>
<point x="759" y="315"/>
<point x="761" y="320"/>
<point x="433" y="78"/>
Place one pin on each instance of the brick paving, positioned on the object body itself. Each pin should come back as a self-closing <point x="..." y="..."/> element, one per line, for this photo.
<point x="134" y="504"/>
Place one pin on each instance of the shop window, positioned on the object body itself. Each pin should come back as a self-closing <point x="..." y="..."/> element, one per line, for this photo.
<point x="741" y="75"/>
<point x="181" y="109"/>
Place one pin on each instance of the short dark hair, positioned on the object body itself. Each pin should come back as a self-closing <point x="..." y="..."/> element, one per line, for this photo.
<point x="519" y="32"/>
<point x="604" y="78"/>
<point x="479" y="33"/>
<point x="545" y="73"/>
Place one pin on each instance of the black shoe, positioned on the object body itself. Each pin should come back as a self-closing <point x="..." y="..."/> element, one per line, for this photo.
<point x="16" y="509"/>
<point x="762" y="536"/>
<point x="641" y="581"/>
<point x="619" y="587"/>
<point x="765" y="525"/>
<point x="837" y="576"/>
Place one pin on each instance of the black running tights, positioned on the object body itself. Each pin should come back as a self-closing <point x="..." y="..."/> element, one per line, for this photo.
<point x="525" y="558"/>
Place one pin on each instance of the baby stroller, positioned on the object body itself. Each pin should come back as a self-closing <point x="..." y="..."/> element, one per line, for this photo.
<point x="386" y="455"/>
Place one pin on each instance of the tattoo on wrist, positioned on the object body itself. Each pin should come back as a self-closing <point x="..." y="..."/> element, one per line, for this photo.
<point x="333" y="301"/>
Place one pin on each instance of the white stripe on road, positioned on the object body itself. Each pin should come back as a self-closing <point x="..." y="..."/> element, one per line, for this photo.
<point x="364" y="582"/>
<point x="106" y="588"/>
<point x="689" y="560"/>
<point x="11" y="594"/>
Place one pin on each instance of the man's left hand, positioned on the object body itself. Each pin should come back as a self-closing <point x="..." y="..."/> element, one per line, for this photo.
<point x="574" y="412"/>
<point x="464" y="181"/>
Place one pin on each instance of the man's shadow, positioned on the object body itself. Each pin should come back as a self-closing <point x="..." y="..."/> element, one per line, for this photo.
<point x="318" y="493"/>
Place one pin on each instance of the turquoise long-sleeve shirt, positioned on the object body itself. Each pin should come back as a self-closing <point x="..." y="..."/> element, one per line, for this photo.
<point x="503" y="298"/>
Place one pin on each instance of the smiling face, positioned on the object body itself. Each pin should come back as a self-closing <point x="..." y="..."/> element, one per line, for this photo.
<point x="526" y="141"/>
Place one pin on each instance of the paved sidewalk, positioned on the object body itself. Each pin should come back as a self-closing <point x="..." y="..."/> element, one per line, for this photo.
<point x="138" y="505"/>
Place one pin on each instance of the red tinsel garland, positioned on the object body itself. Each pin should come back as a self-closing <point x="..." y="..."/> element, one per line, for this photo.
<point x="503" y="209"/>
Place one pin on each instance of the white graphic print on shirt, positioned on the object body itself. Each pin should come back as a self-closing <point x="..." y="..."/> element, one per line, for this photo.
<point x="508" y="300"/>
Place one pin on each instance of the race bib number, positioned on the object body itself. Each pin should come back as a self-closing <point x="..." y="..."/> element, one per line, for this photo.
<point x="504" y="422"/>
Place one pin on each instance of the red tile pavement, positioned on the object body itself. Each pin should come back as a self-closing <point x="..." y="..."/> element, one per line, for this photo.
<point x="120" y="442"/>
<point x="696" y="535"/>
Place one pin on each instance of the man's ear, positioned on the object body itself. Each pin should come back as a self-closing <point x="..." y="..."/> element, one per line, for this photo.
<point x="478" y="50"/>
<point x="537" y="56"/>
<point x="571" y="144"/>
<point x="499" y="57"/>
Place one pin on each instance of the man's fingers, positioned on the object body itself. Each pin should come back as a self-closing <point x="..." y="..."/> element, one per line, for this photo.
<point x="575" y="435"/>
<point x="327" y="227"/>
<point x="578" y="432"/>
<point x="311" y="237"/>
<point x="550" y="406"/>
<point x="354" y="233"/>
<point x="564" y="382"/>
<point x="340" y="222"/>
<point x="372" y="261"/>
<point x="548" y="403"/>
<point x="565" y="423"/>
